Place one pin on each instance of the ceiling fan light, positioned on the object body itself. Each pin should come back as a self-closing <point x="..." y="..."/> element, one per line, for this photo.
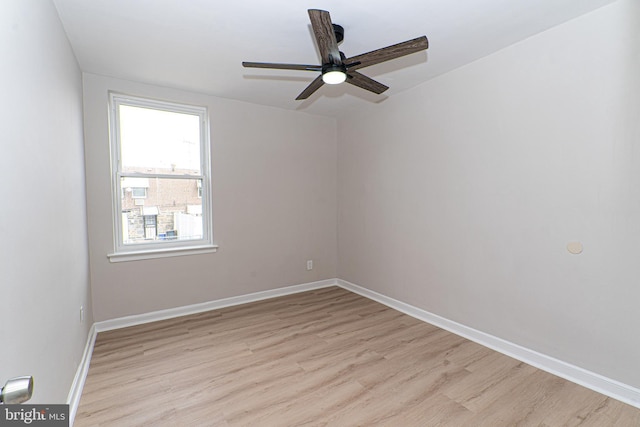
<point x="334" y="77"/>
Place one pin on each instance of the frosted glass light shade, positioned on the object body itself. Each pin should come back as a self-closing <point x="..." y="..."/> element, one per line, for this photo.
<point x="334" y="77"/>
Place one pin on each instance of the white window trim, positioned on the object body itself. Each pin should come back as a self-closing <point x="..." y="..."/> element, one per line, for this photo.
<point x="161" y="253"/>
<point x="165" y="248"/>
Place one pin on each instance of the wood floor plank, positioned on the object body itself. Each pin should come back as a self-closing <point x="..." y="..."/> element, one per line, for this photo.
<point x="326" y="357"/>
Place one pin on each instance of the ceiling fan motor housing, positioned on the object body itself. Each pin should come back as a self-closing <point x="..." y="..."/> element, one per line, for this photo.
<point x="327" y="68"/>
<point x="339" y="32"/>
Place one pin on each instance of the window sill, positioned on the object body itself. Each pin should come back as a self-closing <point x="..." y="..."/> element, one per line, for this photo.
<point x="161" y="253"/>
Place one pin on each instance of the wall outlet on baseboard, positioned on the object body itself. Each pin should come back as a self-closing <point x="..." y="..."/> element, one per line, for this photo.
<point x="309" y="264"/>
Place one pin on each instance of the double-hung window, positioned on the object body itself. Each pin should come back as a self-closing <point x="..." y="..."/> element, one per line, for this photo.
<point x="161" y="186"/>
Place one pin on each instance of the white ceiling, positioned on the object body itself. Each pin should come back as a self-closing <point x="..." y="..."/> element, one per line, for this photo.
<point x="199" y="45"/>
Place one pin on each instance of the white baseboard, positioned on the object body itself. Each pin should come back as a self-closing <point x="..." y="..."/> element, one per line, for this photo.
<point x="170" y="313"/>
<point x="73" y="399"/>
<point x="599" y="383"/>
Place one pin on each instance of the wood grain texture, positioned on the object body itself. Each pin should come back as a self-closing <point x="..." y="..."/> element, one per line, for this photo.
<point x="387" y="53"/>
<point x="309" y="90"/>
<point x="324" y="357"/>
<point x="325" y="36"/>
<point x="367" y="83"/>
<point x="271" y="65"/>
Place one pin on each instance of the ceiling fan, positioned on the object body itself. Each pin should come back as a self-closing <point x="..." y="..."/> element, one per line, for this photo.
<point x="336" y="67"/>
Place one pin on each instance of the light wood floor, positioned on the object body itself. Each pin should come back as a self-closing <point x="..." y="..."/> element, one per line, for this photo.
<point x="326" y="357"/>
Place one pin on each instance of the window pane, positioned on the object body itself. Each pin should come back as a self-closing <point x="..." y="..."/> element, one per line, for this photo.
<point x="157" y="141"/>
<point x="171" y="210"/>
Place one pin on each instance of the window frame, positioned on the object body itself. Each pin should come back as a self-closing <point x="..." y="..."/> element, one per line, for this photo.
<point x="158" y="248"/>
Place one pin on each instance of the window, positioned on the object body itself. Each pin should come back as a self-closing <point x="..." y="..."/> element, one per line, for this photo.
<point x="139" y="192"/>
<point x="161" y="178"/>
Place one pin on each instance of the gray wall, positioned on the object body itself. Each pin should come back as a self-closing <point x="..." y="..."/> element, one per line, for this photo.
<point x="274" y="206"/>
<point x="460" y="196"/>
<point x="44" y="275"/>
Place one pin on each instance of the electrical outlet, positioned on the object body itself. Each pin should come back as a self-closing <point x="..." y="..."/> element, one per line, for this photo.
<point x="81" y="314"/>
<point x="309" y="264"/>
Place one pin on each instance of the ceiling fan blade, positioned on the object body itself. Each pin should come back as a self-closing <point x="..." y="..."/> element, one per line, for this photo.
<point x="325" y="37"/>
<point x="387" y="53"/>
<point x="313" y="86"/>
<point x="282" y="66"/>
<point x="360" y="80"/>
